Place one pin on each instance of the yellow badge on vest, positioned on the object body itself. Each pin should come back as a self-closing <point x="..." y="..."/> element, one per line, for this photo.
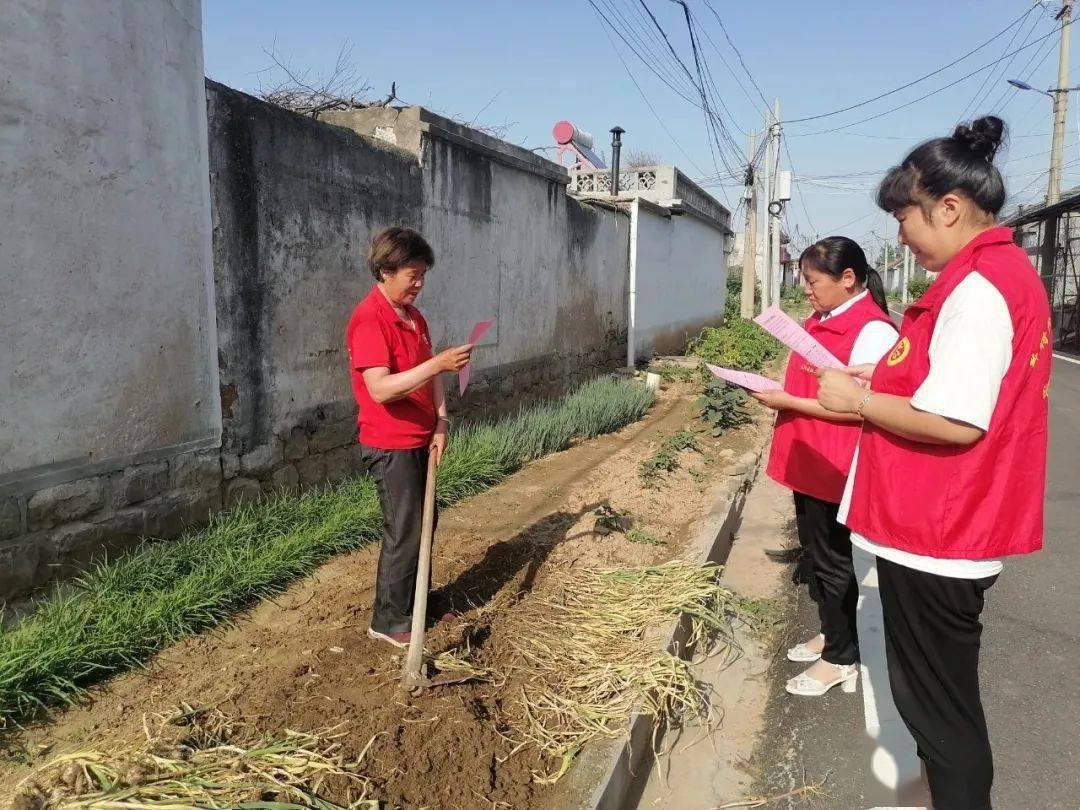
<point x="900" y="352"/>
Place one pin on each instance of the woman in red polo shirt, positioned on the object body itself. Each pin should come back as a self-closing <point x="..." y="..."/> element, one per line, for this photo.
<point x="812" y="449"/>
<point x="951" y="466"/>
<point x="402" y="414"/>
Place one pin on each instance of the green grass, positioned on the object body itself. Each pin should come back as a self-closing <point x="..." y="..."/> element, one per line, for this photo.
<point x="635" y="535"/>
<point x="122" y="613"/>
<point x="666" y="457"/>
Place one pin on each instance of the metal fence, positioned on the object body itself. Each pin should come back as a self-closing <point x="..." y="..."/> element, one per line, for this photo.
<point x="1060" y="276"/>
<point x="1051" y="236"/>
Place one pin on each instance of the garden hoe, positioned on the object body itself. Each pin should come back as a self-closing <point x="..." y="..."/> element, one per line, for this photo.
<point x="413" y="677"/>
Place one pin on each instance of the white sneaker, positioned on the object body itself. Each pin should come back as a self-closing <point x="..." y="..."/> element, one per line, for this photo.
<point x="800" y="653"/>
<point x="847" y="677"/>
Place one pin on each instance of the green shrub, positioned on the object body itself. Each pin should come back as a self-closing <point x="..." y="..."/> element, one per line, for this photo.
<point x="122" y="613"/>
<point x="918" y="285"/>
<point x="739" y="343"/>
<point x="722" y="406"/>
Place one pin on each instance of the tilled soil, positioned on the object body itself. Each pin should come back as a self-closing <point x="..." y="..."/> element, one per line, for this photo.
<point x="303" y="661"/>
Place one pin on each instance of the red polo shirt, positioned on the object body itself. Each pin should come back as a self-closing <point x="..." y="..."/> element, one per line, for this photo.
<point x="378" y="337"/>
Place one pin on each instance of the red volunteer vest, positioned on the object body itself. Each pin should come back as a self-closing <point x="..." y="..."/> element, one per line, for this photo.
<point x="813" y="456"/>
<point x="980" y="501"/>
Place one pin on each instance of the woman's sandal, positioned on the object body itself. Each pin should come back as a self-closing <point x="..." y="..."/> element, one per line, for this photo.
<point x="803" y="684"/>
<point x="801" y="654"/>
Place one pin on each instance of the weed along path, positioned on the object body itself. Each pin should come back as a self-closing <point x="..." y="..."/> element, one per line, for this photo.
<point x="520" y="562"/>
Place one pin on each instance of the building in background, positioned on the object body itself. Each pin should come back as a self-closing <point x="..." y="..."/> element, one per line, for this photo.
<point x="680" y="241"/>
<point x="1050" y="234"/>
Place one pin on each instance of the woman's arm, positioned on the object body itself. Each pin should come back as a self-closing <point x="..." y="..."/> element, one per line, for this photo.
<point x="840" y="393"/>
<point x="386" y="387"/>
<point x="783" y="401"/>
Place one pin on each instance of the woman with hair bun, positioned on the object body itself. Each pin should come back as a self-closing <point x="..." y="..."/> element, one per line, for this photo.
<point x="951" y="466"/>
<point x="812" y="448"/>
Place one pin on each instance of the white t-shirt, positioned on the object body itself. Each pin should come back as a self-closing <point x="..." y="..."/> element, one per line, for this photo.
<point x="970" y="351"/>
<point x="874" y="340"/>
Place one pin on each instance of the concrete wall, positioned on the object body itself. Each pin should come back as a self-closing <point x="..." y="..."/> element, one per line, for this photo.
<point x="108" y="392"/>
<point x="295" y="203"/>
<point x="104" y="221"/>
<point x="680" y="269"/>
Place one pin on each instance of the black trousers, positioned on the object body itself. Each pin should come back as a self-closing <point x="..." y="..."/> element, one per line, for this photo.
<point x="399" y="476"/>
<point x="827" y="549"/>
<point x="932" y="640"/>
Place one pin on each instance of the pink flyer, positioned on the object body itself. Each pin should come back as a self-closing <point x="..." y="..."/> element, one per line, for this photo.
<point x="744" y="379"/>
<point x="474" y="337"/>
<point x="781" y="326"/>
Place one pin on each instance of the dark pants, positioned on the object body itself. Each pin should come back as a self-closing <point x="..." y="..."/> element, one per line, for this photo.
<point x="827" y="549"/>
<point x="399" y="477"/>
<point x="932" y="639"/>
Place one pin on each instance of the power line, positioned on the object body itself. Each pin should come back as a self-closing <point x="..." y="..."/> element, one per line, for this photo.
<point x="713" y="123"/>
<point x="911" y="83"/>
<point x="641" y="37"/>
<point x="1009" y="93"/>
<point x="932" y="92"/>
<point x="738" y="53"/>
<point x="986" y="79"/>
<point x="644" y="61"/>
<point x="648" y="104"/>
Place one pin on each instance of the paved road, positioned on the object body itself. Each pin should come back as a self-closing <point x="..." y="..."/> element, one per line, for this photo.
<point x="1030" y="671"/>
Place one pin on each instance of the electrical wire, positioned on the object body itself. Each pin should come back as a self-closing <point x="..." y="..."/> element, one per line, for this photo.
<point x="931" y="93"/>
<point x="912" y="82"/>
<point x="974" y="102"/>
<point x="648" y="104"/>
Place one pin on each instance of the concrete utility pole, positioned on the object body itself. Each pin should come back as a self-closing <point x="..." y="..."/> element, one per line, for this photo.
<point x="749" y="268"/>
<point x="1061" y="103"/>
<point x="909" y="273"/>
<point x="770" y="182"/>
<point x="886" y="279"/>
<point x="774" y="206"/>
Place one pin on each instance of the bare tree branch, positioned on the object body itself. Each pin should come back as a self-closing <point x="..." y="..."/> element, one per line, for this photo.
<point x="640" y="159"/>
<point x="341" y="89"/>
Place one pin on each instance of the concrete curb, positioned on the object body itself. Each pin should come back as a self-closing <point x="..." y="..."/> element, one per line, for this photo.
<point x="605" y="772"/>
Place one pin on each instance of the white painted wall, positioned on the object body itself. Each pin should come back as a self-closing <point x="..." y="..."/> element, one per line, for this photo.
<point x="109" y="347"/>
<point x="680" y="274"/>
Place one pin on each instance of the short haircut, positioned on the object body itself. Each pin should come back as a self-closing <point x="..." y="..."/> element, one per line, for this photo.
<point x="395" y="247"/>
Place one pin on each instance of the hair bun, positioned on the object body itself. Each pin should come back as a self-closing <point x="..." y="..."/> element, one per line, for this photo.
<point x="983" y="137"/>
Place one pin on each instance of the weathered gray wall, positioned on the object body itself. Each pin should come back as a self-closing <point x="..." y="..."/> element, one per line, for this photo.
<point x="681" y="276"/>
<point x="295" y="203"/>
<point x="109" y="415"/>
<point x="104" y="237"/>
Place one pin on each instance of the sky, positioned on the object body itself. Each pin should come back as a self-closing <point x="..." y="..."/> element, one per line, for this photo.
<point x="524" y="65"/>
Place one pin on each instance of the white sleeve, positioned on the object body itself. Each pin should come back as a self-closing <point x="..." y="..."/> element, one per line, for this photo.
<point x="873" y="343"/>
<point x="970" y="351"/>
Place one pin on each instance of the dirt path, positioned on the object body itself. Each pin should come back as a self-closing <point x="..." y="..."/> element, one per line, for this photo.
<point x="303" y="661"/>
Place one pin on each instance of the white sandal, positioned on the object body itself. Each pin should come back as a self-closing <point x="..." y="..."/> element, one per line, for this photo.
<point x="803" y="684"/>
<point x="800" y="653"/>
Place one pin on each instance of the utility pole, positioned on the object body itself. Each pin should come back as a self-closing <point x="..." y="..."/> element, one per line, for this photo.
<point x="886" y="279"/>
<point x="909" y="272"/>
<point x="770" y="182"/>
<point x="775" y="207"/>
<point x="1060" y="95"/>
<point x="749" y="268"/>
<point x="1061" y="103"/>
